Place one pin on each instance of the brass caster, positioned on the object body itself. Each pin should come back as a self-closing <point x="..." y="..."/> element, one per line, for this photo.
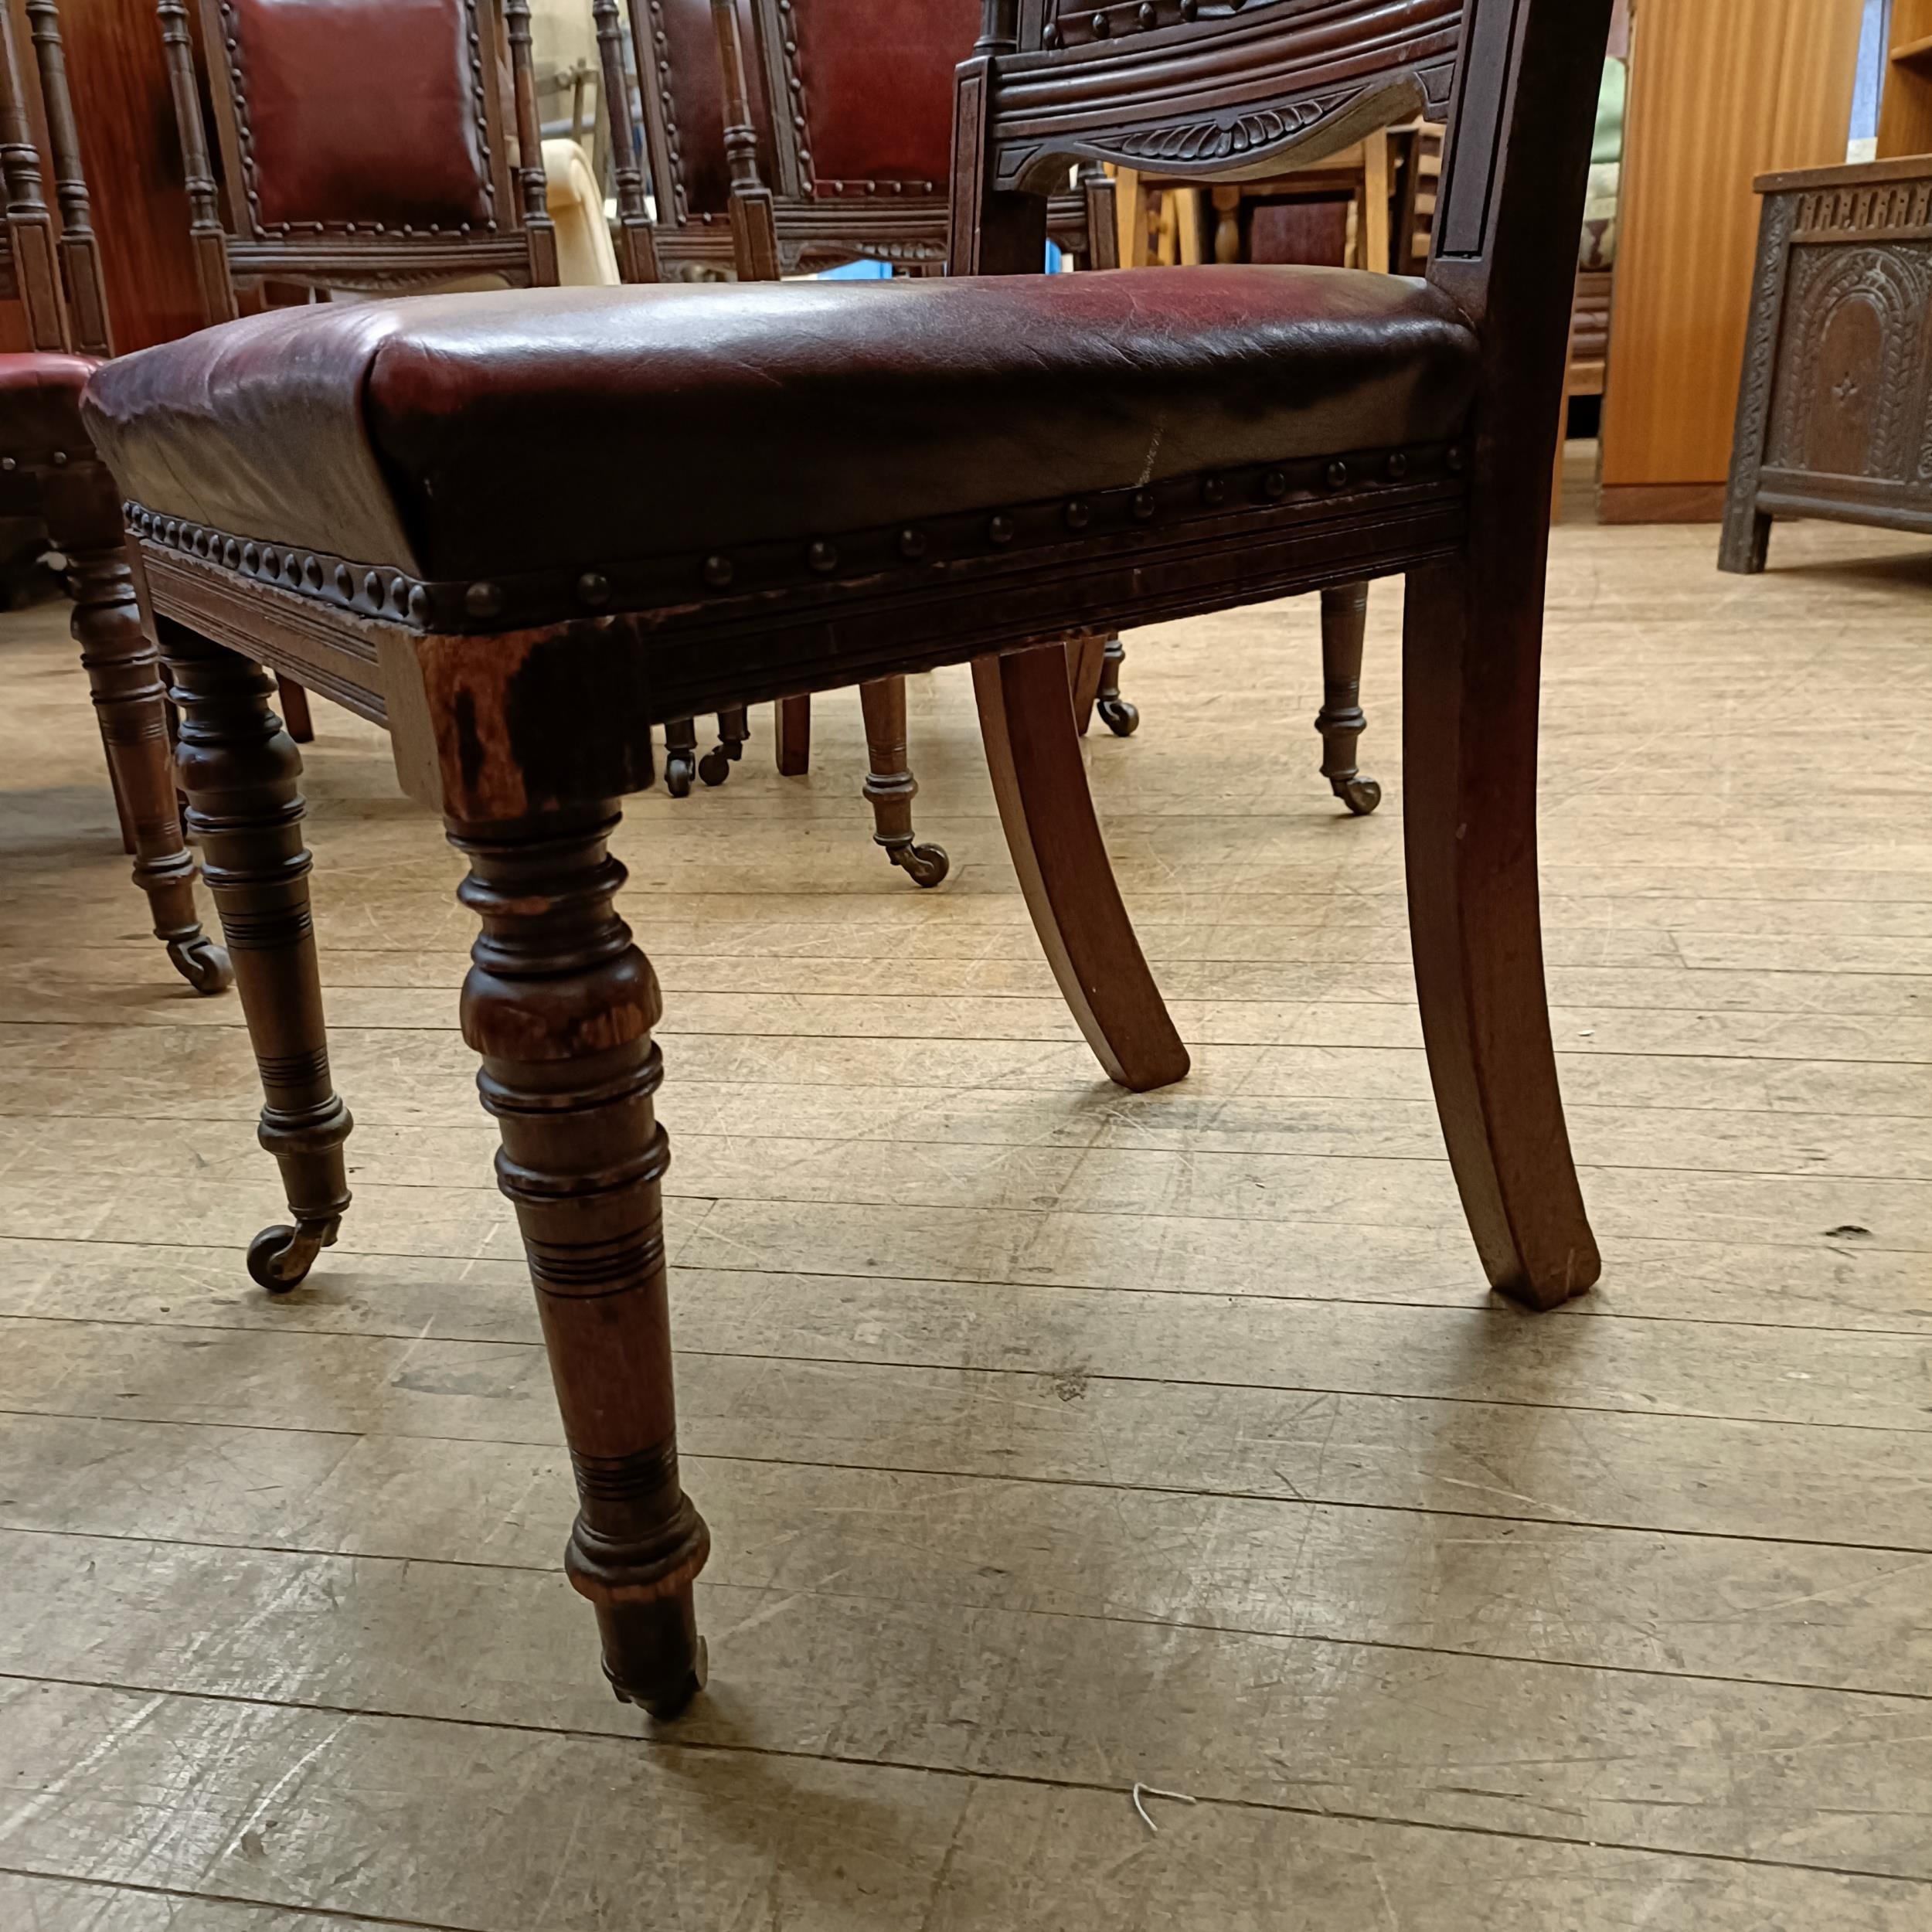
<point x="679" y="767"/>
<point x="1361" y="795"/>
<point x="202" y="963"/>
<point x="1120" y="717"/>
<point x="714" y="768"/>
<point x="926" y="866"/>
<point x="280" y="1257"/>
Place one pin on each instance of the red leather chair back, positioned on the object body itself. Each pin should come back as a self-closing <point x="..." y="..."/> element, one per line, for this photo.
<point x="871" y="89"/>
<point x="687" y="117"/>
<point x="363" y="111"/>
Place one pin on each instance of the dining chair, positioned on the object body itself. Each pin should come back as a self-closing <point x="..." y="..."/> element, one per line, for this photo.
<point x="48" y="471"/>
<point x="326" y="182"/>
<point x="1029" y="459"/>
<point x="855" y="169"/>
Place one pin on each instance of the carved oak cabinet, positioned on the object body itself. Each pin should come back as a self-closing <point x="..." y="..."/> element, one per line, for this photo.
<point x="1834" y="411"/>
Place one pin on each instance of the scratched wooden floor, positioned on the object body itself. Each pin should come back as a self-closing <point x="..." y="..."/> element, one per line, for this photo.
<point x="1053" y="1439"/>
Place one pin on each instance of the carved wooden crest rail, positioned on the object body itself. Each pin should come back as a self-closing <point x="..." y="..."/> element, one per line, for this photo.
<point x="1245" y="85"/>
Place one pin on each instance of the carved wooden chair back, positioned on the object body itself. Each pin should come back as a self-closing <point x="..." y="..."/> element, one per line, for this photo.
<point x="1208" y="93"/>
<point x="855" y="166"/>
<point x="55" y="276"/>
<point x="365" y="144"/>
<point x="1189" y="94"/>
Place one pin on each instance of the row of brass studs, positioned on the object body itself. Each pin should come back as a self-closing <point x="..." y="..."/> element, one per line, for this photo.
<point x="382" y="593"/>
<point x="719" y="572"/>
<point x="391" y="593"/>
<point x="1146" y="16"/>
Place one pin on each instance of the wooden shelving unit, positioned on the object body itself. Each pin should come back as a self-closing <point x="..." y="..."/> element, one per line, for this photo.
<point x="1905" y="117"/>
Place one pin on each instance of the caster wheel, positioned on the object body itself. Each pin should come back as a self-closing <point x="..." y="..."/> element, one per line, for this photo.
<point x="1360" y="795"/>
<point x="677" y="770"/>
<point x="714" y="768"/>
<point x="1120" y="717"/>
<point x="203" y="964"/>
<point x="280" y="1257"/>
<point x="926" y="866"/>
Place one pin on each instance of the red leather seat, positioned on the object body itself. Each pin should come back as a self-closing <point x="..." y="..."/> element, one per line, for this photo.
<point x="40" y="392"/>
<point x="502" y="436"/>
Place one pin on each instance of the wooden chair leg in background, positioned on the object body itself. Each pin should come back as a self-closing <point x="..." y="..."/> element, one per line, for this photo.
<point x="1130" y="215"/>
<point x="561" y="1005"/>
<point x="296" y="718"/>
<point x="1472" y="645"/>
<point x="1227" y="223"/>
<point x="890" y="787"/>
<point x="1026" y="719"/>
<point x="734" y="727"/>
<point x="1084" y="665"/>
<point x="1093" y="677"/>
<point x="83" y="515"/>
<point x="241" y="771"/>
<point x="680" y="755"/>
<point x="1344" y="626"/>
<point x="792" y="736"/>
<point x="1120" y="717"/>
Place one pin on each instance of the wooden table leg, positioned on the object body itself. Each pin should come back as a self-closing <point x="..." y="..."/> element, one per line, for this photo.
<point x="123" y="671"/>
<point x="560" y="1004"/>
<point x="240" y="770"/>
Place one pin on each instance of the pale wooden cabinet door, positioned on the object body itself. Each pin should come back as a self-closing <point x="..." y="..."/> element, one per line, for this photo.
<point x="1721" y="91"/>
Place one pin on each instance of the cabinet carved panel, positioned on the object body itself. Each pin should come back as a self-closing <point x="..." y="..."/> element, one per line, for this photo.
<point x="1835" y="415"/>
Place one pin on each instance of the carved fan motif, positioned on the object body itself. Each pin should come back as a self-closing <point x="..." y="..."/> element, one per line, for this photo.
<point x="1215" y="140"/>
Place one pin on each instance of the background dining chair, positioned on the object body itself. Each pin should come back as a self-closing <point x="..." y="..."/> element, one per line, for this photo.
<point x="352" y="486"/>
<point x="327" y="182"/>
<point x="48" y="471"/>
<point x="855" y="169"/>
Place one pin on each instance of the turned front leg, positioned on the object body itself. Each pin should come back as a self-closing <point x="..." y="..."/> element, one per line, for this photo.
<point x="124" y="673"/>
<point x="560" y="1004"/>
<point x="240" y="770"/>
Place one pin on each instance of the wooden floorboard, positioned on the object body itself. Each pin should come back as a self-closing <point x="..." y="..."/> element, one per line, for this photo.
<point x="1054" y="1439"/>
